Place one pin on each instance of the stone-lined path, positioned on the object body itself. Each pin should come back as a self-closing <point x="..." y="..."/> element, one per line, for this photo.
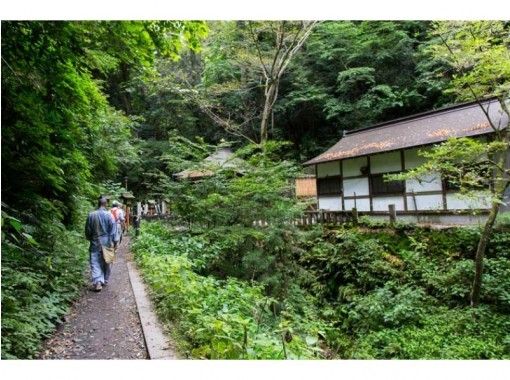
<point x="102" y="325"/>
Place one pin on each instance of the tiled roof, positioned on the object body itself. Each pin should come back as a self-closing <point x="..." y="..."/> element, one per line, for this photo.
<point x="222" y="158"/>
<point x="422" y="129"/>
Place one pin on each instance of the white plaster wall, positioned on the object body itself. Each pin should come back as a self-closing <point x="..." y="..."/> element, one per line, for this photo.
<point x="429" y="182"/>
<point x="437" y="219"/>
<point x="385" y="162"/>
<point x="381" y="203"/>
<point x="328" y="169"/>
<point x="456" y="202"/>
<point x="362" y="204"/>
<point x="330" y="203"/>
<point x="351" y="167"/>
<point x="426" y="202"/>
<point x="412" y="159"/>
<point x="356" y="185"/>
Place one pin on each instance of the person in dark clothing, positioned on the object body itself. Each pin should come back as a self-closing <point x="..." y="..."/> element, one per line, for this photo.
<point x="99" y="230"/>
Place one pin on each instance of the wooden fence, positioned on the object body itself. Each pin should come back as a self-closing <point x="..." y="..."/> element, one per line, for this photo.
<point x="336" y="217"/>
<point x="316" y="217"/>
<point x="308" y="218"/>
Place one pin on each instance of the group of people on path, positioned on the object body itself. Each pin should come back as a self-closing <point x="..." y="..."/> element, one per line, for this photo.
<point x="104" y="228"/>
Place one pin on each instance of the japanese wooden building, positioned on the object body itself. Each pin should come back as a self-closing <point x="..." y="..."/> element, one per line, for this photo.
<point x="223" y="157"/>
<point x="350" y="173"/>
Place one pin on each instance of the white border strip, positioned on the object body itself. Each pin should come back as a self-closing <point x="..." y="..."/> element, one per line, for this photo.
<point x="157" y="343"/>
<point x="255" y="10"/>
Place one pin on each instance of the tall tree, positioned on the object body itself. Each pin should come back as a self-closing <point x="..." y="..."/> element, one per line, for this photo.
<point x="478" y="55"/>
<point x="62" y="134"/>
<point x="244" y="65"/>
<point x="275" y="56"/>
<point x="352" y="74"/>
<point x="58" y="125"/>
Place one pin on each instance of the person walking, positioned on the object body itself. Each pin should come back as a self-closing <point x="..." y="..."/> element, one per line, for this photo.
<point x="118" y="220"/>
<point x="99" y="230"/>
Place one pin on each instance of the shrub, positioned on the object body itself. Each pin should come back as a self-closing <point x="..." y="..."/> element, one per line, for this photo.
<point x="37" y="286"/>
<point x="221" y="319"/>
<point x="405" y="293"/>
<point x="348" y="259"/>
<point x="388" y="306"/>
<point x="235" y="290"/>
<point x="445" y="333"/>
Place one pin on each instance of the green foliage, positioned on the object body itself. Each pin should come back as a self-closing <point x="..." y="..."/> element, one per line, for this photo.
<point x="503" y="220"/>
<point x="112" y="189"/>
<point x="396" y="293"/>
<point x="465" y="163"/>
<point x="388" y="306"/>
<point x="225" y="205"/>
<point x="478" y="55"/>
<point x="61" y="133"/>
<point x="444" y="333"/>
<point x="221" y="319"/>
<point x="356" y="293"/>
<point x="61" y="137"/>
<point x="354" y="74"/>
<point x="38" y="283"/>
<point x="347" y="73"/>
<point x="235" y="289"/>
<point x="477" y="52"/>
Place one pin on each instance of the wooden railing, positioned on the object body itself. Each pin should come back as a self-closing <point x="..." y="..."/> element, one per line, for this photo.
<point x="334" y="217"/>
<point x="316" y="217"/>
<point x="308" y="218"/>
<point x="327" y="217"/>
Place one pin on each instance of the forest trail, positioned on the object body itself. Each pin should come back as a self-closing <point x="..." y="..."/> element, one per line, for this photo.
<point x="103" y="325"/>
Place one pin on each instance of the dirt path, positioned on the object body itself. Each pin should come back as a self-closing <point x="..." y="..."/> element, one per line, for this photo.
<point x="102" y="325"/>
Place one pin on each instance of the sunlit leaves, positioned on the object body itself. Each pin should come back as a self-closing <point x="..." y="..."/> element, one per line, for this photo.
<point x="479" y="52"/>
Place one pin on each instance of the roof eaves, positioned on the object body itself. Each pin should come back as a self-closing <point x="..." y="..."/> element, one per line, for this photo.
<point x="442" y="110"/>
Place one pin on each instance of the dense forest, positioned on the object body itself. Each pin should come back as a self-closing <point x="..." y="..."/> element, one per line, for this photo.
<point x="86" y="104"/>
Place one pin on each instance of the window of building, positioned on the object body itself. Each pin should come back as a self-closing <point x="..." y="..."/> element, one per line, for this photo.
<point x="382" y="187"/>
<point x="329" y="186"/>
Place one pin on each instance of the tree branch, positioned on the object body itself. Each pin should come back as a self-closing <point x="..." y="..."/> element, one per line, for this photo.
<point x="477" y="99"/>
<point x="259" y="53"/>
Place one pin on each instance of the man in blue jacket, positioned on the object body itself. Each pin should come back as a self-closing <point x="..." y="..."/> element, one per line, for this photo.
<point x="99" y="230"/>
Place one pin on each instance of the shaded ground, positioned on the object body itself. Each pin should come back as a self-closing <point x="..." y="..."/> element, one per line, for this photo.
<point x="102" y="325"/>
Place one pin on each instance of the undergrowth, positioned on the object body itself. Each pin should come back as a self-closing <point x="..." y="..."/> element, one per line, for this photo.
<point x="356" y="294"/>
<point x="38" y="283"/>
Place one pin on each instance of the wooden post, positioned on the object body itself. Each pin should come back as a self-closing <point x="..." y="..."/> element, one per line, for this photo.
<point x="393" y="213"/>
<point x="355" y="215"/>
<point x="416" y="207"/>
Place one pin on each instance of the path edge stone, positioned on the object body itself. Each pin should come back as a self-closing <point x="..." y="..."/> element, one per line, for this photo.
<point x="156" y="341"/>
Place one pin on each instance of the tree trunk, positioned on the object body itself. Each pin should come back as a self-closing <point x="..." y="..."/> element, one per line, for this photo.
<point x="269" y="100"/>
<point x="499" y="193"/>
<point x="480" y="253"/>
